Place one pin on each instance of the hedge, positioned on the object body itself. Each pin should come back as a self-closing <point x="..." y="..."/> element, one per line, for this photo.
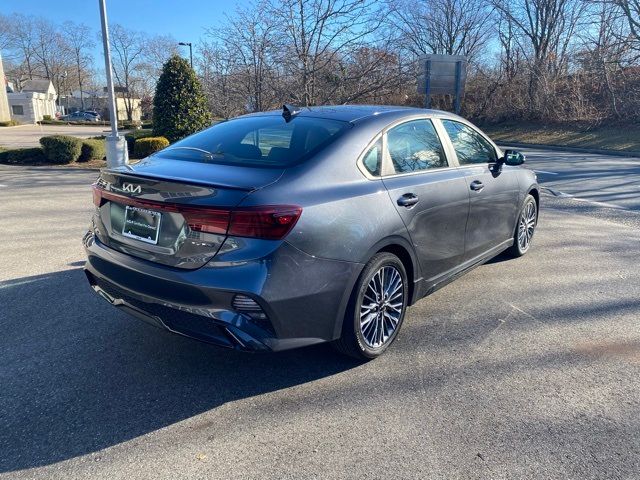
<point x="9" y="123"/>
<point x="23" y="156"/>
<point x="131" y="138"/>
<point x="146" y="146"/>
<point x="61" y="148"/>
<point x="92" y="149"/>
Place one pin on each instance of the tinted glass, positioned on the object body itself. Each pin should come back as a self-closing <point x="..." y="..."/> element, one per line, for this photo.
<point x="470" y="146"/>
<point x="415" y="146"/>
<point x="258" y="141"/>
<point x="373" y="159"/>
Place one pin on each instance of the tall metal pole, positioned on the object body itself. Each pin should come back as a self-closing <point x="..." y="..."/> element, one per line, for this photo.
<point x="116" y="146"/>
<point x="191" y="55"/>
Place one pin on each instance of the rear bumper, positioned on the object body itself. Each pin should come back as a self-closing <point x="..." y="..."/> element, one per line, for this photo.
<point x="303" y="297"/>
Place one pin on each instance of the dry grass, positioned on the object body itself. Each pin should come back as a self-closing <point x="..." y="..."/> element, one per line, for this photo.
<point x="625" y="138"/>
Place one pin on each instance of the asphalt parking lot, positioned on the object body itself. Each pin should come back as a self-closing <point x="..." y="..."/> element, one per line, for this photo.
<point x="29" y="135"/>
<point x="525" y="368"/>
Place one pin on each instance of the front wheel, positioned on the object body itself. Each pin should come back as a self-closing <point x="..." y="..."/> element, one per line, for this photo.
<point x="527" y="222"/>
<point x="376" y="309"/>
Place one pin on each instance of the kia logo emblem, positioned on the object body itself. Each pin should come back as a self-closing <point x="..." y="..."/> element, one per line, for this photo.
<point x="131" y="188"/>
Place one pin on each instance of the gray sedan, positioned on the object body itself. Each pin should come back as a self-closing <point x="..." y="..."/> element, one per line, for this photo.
<point x="288" y="228"/>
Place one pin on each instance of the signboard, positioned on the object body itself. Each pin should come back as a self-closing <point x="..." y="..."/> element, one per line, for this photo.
<point x="442" y="75"/>
<point x="117" y="90"/>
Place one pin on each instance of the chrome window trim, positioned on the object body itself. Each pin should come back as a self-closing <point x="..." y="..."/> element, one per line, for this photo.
<point x="360" y="161"/>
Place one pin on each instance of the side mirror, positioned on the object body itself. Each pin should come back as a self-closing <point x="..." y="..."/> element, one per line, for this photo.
<point x="513" y="158"/>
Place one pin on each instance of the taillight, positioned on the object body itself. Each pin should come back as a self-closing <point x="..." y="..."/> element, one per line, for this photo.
<point x="270" y="222"/>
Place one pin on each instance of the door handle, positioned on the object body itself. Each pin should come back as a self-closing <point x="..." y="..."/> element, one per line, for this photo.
<point x="408" y="200"/>
<point x="476" y="185"/>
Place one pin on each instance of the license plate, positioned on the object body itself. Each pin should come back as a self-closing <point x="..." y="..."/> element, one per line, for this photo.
<point x="141" y="224"/>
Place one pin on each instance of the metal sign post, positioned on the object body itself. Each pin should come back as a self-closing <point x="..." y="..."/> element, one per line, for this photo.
<point x="117" y="153"/>
<point x="443" y="75"/>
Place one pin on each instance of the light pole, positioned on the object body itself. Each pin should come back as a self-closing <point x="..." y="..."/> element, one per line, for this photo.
<point x="117" y="153"/>
<point x="185" y="44"/>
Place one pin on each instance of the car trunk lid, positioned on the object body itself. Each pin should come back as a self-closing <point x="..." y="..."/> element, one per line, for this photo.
<point x="171" y="213"/>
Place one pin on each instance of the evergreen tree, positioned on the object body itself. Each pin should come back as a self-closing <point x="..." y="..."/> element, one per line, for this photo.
<point x="179" y="106"/>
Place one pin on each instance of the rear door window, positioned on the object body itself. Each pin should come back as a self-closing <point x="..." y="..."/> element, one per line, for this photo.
<point x="415" y="146"/>
<point x="470" y="146"/>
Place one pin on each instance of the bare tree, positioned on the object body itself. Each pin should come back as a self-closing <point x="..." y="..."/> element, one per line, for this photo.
<point x="317" y="33"/>
<point x="548" y="27"/>
<point x="79" y="39"/>
<point x="248" y="36"/>
<point x="127" y="46"/>
<point x="450" y="27"/>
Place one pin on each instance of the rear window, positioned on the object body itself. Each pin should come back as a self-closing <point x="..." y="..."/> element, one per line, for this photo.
<point x="260" y="141"/>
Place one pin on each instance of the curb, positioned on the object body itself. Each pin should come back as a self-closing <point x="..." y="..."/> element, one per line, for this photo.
<point x="616" y="153"/>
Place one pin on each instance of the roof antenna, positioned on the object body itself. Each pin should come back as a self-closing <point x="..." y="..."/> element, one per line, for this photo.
<point x="289" y="111"/>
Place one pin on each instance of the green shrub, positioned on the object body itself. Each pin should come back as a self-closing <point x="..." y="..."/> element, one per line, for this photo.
<point x="146" y="146"/>
<point x="47" y="117"/>
<point x="131" y="138"/>
<point x="92" y="149"/>
<point x="23" y="156"/>
<point x="61" y="148"/>
<point x="179" y="106"/>
<point x="9" y="123"/>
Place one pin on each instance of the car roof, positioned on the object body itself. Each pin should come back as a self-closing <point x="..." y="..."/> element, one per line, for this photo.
<point x="352" y="113"/>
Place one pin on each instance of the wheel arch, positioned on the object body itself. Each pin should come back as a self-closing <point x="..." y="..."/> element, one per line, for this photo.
<point x="400" y="247"/>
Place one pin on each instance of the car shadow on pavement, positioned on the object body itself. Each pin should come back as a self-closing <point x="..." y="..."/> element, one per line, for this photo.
<point x="78" y="376"/>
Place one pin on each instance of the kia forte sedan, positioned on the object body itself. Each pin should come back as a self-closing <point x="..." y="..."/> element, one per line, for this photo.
<point x="289" y="228"/>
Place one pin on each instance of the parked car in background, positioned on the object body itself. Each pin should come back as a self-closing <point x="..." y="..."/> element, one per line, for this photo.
<point x="81" y="117"/>
<point x="288" y="228"/>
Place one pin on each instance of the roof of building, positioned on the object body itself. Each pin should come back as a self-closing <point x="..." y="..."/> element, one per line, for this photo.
<point x="39" y="85"/>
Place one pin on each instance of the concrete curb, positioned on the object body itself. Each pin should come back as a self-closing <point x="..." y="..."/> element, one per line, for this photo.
<point x="560" y="148"/>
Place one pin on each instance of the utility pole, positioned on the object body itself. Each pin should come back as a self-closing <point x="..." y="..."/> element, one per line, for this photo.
<point x="117" y="153"/>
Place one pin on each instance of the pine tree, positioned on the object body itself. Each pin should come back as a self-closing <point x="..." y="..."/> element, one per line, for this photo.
<point x="179" y="106"/>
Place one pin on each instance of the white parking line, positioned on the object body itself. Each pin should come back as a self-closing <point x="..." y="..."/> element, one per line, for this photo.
<point x="556" y="193"/>
<point x="545" y="172"/>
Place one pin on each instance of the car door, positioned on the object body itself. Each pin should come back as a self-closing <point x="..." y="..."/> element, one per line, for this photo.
<point x="493" y="189"/>
<point x="429" y="193"/>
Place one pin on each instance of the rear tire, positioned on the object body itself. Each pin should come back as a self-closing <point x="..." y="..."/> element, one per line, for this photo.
<point x="376" y="309"/>
<point x="525" y="228"/>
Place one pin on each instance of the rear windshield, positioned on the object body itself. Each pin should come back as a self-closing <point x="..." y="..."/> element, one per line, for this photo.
<point x="260" y="141"/>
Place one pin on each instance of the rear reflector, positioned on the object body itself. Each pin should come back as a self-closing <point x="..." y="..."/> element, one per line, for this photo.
<point x="271" y="222"/>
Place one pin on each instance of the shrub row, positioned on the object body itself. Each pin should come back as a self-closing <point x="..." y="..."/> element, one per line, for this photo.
<point x="9" y="123"/>
<point x="144" y="147"/>
<point x="23" y="156"/>
<point x="63" y="149"/>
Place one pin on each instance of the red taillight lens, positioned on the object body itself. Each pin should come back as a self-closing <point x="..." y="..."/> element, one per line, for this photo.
<point x="271" y="222"/>
<point x="97" y="195"/>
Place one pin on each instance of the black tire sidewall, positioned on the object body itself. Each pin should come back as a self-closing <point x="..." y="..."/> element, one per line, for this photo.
<point x="376" y="263"/>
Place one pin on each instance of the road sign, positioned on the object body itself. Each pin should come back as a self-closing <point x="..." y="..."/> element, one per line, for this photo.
<point x="442" y="75"/>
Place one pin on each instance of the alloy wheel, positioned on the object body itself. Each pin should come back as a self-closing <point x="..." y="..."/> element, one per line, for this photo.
<point x="526" y="226"/>
<point x="381" y="306"/>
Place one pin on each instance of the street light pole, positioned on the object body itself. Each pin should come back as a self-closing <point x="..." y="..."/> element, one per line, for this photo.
<point x="185" y="44"/>
<point x="117" y="153"/>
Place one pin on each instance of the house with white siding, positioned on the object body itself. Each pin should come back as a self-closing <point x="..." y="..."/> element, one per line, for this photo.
<point x="37" y="99"/>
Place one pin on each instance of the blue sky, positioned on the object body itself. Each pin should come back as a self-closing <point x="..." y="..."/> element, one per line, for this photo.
<point x="184" y="19"/>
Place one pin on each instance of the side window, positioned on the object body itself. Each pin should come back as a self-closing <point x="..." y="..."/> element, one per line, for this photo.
<point x="414" y="146"/>
<point x="373" y="159"/>
<point x="470" y="146"/>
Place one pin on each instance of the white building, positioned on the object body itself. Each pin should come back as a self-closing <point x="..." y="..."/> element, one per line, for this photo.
<point x="37" y="99"/>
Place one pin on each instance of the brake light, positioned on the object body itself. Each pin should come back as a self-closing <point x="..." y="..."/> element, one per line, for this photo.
<point x="270" y="222"/>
